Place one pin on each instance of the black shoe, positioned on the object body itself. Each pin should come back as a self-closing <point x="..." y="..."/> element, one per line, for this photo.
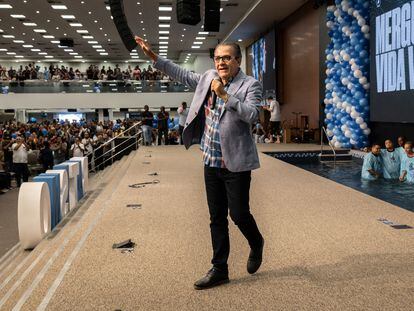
<point x="213" y="278"/>
<point x="255" y="259"/>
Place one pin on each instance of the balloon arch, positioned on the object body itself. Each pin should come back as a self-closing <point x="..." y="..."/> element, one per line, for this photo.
<point x="347" y="83"/>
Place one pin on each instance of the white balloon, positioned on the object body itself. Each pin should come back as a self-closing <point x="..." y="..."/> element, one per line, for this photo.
<point x="345" y="81"/>
<point x="348" y="134"/>
<point x="359" y="120"/>
<point x="355" y="13"/>
<point x="344" y="128"/>
<point x="367" y="131"/>
<point x="358" y="74"/>
<point x="337" y="144"/>
<point x="352" y="61"/>
<point x="326" y="101"/>
<point x="337" y="58"/>
<point x="329" y="57"/>
<point x="363" y="126"/>
<point x="347" y="57"/>
<point x="354" y="114"/>
<point x="329" y="86"/>
<point x="350" y="11"/>
<point x="353" y="142"/>
<point x="329" y="116"/>
<point x="361" y="22"/>
<point x="348" y="110"/>
<point x="363" y="80"/>
<point x="365" y="29"/>
<point x="330" y="133"/>
<point x="366" y="86"/>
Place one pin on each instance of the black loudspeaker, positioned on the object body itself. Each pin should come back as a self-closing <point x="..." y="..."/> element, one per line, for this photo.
<point x="123" y="109"/>
<point x="8" y="110"/>
<point x="72" y="110"/>
<point x="66" y="42"/>
<point x="188" y="12"/>
<point x="105" y="113"/>
<point x="118" y="14"/>
<point x="212" y="15"/>
<point x="212" y="53"/>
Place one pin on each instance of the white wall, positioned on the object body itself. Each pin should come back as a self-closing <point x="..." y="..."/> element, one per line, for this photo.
<point x="94" y="101"/>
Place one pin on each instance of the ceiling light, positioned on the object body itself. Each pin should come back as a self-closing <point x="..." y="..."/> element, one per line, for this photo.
<point x="55" y="41"/>
<point x="68" y="50"/>
<point x="100" y="50"/>
<point x="203" y="33"/>
<point x="29" y="24"/>
<point x="164" y="32"/>
<point x="68" y="16"/>
<point x="59" y="7"/>
<point x="164" y="25"/>
<point x="11" y="53"/>
<point x="27" y="45"/>
<point x="3" y="50"/>
<point x="49" y="56"/>
<point x="162" y="42"/>
<point x="103" y="53"/>
<point x="39" y="30"/>
<point x="48" y="37"/>
<point x="164" y="18"/>
<point x="89" y="12"/>
<point x="42" y="53"/>
<point x="163" y="54"/>
<point x="134" y="57"/>
<point x="221" y="9"/>
<point x="97" y="46"/>
<point x="78" y="56"/>
<point x="1" y="30"/>
<point x="108" y="7"/>
<point x="93" y="42"/>
<point x="163" y="38"/>
<point x="165" y="8"/>
<point x="163" y="47"/>
<point x="35" y="50"/>
<point x="163" y="50"/>
<point x="18" y="56"/>
<point x="197" y="42"/>
<point x="8" y="36"/>
<point x="18" y="41"/>
<point x="74" y="53"/>
<point x="82" y="31"/>
<point x="200" y="38"/>
<point x="5" y="6"/>
<point x="240" y="40"/>
<point x="19" y="16"/>
<point x="195" y="47"/>
<point x="189" y="54"/>
<point x="87" y="37"/>
<point x="95" y="21"/>
<point x="76" y="24"/>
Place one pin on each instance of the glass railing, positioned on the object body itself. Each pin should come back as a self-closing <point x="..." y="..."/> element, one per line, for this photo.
<point x="90" y="86"/>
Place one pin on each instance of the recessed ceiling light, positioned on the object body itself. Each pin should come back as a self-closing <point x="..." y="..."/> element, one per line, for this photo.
<point x="108" y="7"/>
<point x="203" y="33"/>
<point x="163" y="47"/>
<point x="140" y="13"/>
<point x="1" y="30"/>
<point x="11" y="53"/>
<point x="19" y="16"/>
<point x="29" y="24"/>
<point x="42" y="53"/>
<point x="164" y="18"/>
<point x="89" y="12"/>
<point x="59" y="7"/>
<point x="93" y="42"/>
<point x="78" y="56"/>
<point x="221" y="9"/>
<point x="68" y="50"/>
<point x="55" y="41"/>
<point x="81" y="31"/>
<point x="100" y="28"/>
<point x="163" y="50"/>
<point x="87" y="37"/>
<point x="165" y="8"/>
<point x="18" y="41"/>
<point x="37" y="12"/>
<point x="164" y="32"/>
<point x="142" y="22"/>
<point x="240" y="40"/>
<point x="49" y="56"/>
<point x="35" y="50"/>
<point x="184" y="29"/>
<point x="163" y="38"/>
<point x="76" y="24"/>
<point x="39" y="30"/>
<point x="200" y="38"/>
<point x="163" y="42"/>
<point x="134" y="57"/>
<point x="57" y="28"/>
<point x="197" y="42"/>
<point x="95" y="21"/>
<point x="68" y="16"/>
<point x="5" y="6"/>
<point x="100" y="50"/>
<point x="164" y="25"/>
<point x="74" y="53"/>
<point x="109" y="40"/>
<point x="106" y="35"/>
<point x="103" y="53"/>
<point x="3" y="50"/>
<point x="48" y="37"/>
<point x="18" y="56"/>
<point x="97" y="46"/>
<point x="195" y="47"/>
<point x="8" y="36"/>
<point x="48" y="21"/>
<point x="12" y="27"/>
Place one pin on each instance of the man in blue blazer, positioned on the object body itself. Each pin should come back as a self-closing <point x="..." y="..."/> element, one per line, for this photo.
<point x="220" y="119"/>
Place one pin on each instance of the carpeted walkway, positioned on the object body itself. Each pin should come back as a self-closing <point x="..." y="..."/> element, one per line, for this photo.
<point x="325" y="248"/>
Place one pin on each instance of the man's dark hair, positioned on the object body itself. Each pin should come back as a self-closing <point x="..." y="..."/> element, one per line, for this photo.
<point x="375" y="144"/>
<point x="270" y="97"/>
<point x="234" y="45"/>
<point x="410" y="143"/>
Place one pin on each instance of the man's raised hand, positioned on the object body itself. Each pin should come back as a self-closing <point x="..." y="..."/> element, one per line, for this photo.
<point x="146" y="48"/>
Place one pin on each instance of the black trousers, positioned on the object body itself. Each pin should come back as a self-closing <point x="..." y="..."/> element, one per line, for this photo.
<point x="228" y="191"/>
<point x="22" y="172"/>
<point x="163" y="131"/>
<point x="180" y="131"/>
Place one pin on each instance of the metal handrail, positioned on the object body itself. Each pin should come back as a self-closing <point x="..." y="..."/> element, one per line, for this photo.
<point x="329" y="142"/>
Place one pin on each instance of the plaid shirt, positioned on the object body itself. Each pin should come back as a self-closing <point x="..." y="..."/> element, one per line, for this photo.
<point x="210" y="142"/>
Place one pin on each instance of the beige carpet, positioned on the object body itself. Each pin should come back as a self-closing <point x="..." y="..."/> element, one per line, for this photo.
<point x="325" y="249"/>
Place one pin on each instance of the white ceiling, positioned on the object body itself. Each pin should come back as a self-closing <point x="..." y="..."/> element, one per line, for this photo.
<point x="142" y="16"/>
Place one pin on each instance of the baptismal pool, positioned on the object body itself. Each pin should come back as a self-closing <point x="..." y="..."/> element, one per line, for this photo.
<point x="349" y="174"/>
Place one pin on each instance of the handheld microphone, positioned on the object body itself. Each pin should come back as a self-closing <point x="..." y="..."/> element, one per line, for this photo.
<point x="214" y="95"/>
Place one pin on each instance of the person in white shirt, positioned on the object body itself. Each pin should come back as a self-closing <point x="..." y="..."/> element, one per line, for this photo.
<point x="275" y="117"/>
<point x="77" y="148"/>
<point x="20" y="151"/>
<point x="183" y="113"/>
<point x="88" y="143"/>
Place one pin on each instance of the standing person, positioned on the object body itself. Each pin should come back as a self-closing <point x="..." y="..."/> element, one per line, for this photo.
<point x="87" y="143"/>
<point x="163" y="125"/>
<point x="77" y="148"/>
<point x="275" y="117"/>
<point x="372" y="167"/>
<point x="183" y="113"/>
<point x="391" y="161"/>
<point x="46" y="157"/>
<point x="220" y="119"/>
<point x="407" y="166"/>
<point x="147" y="119"/>
<point x="20" y="151"/>
<point x="401" y="143"/>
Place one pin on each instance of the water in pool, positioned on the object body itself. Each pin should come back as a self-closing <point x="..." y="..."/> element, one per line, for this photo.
<point x="349" y="174"/>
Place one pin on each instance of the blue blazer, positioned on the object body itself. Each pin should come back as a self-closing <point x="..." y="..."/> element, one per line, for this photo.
<point x="237" y="144"/>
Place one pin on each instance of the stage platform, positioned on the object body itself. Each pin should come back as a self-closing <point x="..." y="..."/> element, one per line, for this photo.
<point x="325" y="248"/>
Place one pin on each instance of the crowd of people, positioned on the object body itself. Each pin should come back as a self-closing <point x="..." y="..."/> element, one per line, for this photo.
<point x="390" y="163"/>
<point x="53" y="142"/>
<point x="56" y="73"/>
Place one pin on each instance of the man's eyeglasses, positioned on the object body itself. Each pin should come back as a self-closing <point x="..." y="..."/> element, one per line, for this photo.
<point x="225" y="58"/>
